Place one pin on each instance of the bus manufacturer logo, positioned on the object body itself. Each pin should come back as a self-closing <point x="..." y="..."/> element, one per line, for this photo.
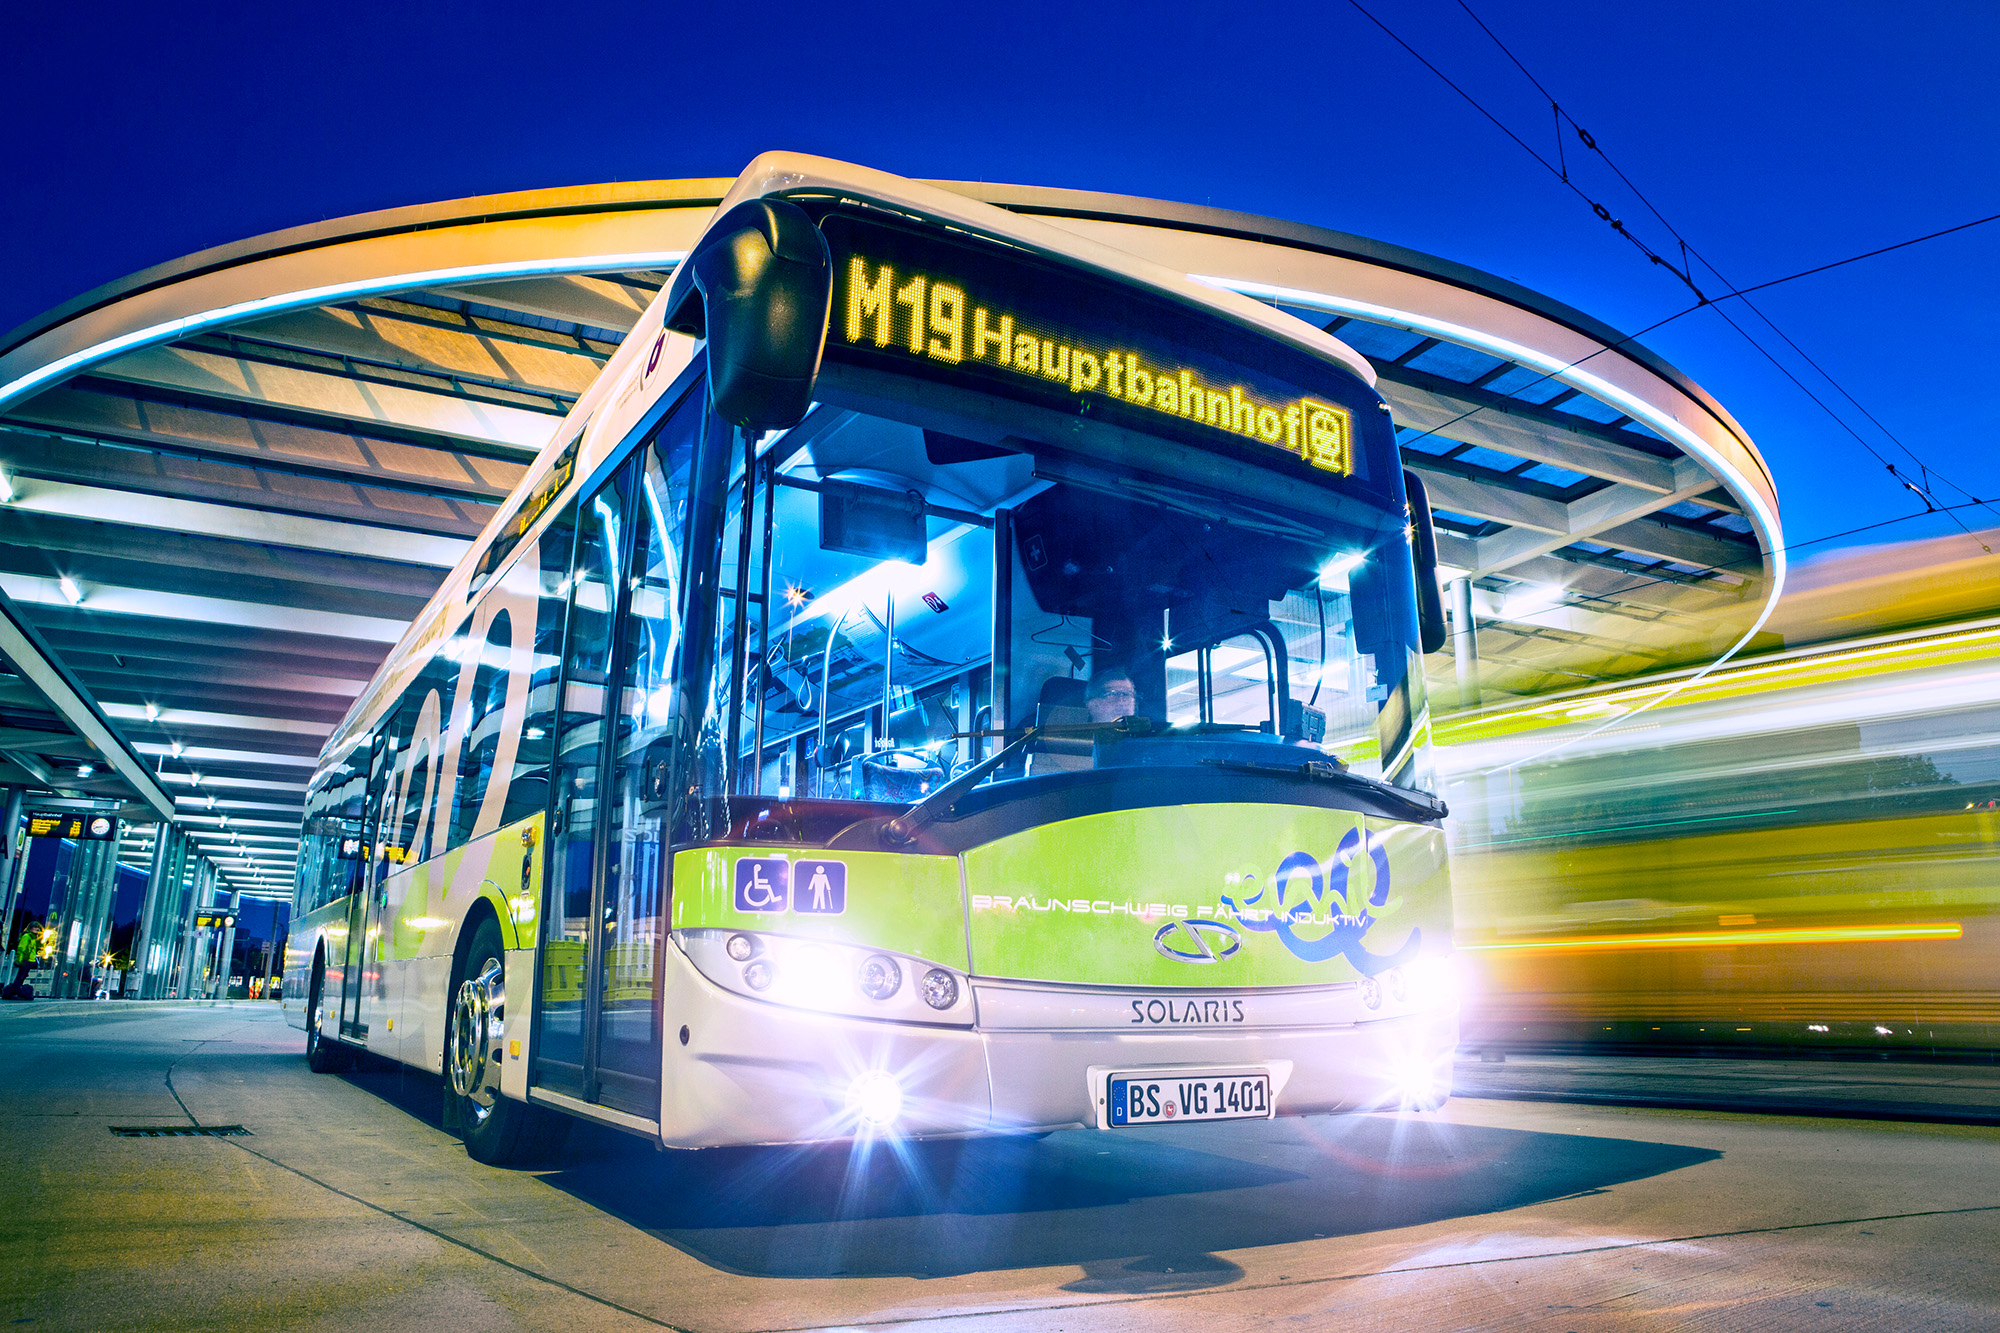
<point x="1196" y="941"/>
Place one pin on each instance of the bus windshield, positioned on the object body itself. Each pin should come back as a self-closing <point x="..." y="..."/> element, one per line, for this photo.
<point x="1135" y="608"/>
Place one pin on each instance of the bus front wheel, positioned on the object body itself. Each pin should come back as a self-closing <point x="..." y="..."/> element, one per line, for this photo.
<point x="496" y="1129"/>
<point x="323" y="1055"/>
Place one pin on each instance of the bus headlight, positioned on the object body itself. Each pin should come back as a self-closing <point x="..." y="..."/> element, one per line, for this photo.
<point x="879" y="977"/>
<point x="828" y="976"/>
<point x="940" y="989"/>
<point x="1421" y="1083"/>
<point x="1431" y="981"/>
<point x="875" y="1098"/>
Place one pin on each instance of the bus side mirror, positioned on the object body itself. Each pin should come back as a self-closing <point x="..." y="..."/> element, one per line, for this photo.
<point x="1424" y="555"/>
<point x="757" y="287"/>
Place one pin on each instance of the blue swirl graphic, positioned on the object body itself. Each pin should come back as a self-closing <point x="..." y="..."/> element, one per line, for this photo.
<point x="1344" y="940"/>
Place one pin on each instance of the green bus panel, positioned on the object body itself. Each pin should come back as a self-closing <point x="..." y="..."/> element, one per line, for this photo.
<point x="1208" y="895"/>
<point x="904" y="903"/>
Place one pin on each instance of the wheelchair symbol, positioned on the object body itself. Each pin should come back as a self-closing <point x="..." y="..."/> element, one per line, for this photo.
<point x="763" y="884"/>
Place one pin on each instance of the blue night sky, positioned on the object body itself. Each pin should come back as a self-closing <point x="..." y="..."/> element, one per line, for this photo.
<point x="1775" y="136"/>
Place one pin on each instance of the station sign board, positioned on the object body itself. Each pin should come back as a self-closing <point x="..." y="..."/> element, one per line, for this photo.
<point x="73" y="824"/>
<point x="214" y="920"/>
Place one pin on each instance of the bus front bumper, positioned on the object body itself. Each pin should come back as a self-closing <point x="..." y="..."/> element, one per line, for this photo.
<point x="742" y="1071"/>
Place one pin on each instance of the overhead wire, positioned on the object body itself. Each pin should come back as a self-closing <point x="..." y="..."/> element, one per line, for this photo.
<point x="1560" y="170"/>
<point x="1683" y="273"/>
<point x="1922" y="492"/>
<point x="1561" y="173"/>
<point x="1689" y="310"/>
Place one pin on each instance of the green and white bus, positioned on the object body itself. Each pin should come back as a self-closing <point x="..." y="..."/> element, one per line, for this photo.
<point x="946" y="677"/>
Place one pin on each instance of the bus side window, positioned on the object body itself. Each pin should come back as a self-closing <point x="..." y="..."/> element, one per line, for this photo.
<point x="481" y="743"/>
<point x="528" y="784"/>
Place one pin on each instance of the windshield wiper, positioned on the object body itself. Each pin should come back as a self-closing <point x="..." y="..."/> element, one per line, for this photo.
<point x="1332" y="770"/>
<point x="903" y="829"/>
<point x="1319" y="770"/>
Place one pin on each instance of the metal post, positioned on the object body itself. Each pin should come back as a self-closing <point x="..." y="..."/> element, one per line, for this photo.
<point x="153" y="905"/>
<point x="888" y="668"/>
<point x="15" y="850"/>
<point x="190" y="962"/>
<point x="1003" y="622"/>
<point x="740" y="619"/>
<point x="18" y="877"/>
<point x="223" y="962"/>
<point x="1465" y="643"/>
<point x="764" y="621"/>
<point x="181" y="880"/>
<point x="158" y="978"/>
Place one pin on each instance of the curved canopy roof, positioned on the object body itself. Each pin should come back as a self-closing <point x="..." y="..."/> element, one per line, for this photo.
<point x="254" y="465"/>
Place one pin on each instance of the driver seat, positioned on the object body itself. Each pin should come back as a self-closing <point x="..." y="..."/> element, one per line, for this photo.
<point x="1060" y="704"/>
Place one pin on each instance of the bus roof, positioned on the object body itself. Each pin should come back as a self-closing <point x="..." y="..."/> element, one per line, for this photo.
<point x="780" y="174"/>
<point x="650" y="358"/>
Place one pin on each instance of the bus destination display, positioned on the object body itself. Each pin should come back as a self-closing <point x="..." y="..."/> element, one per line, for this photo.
<point x="1005" y="325"/>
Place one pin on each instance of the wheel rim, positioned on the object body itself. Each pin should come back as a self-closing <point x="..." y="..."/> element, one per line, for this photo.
<point x="478" y="1020"/>
<point x="316" y="1024"/>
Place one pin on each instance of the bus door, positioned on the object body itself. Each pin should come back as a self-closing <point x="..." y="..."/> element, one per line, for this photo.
<point x="359" y="968"/>
<point x="597" y="1017"/>
<point x="572" y="913"/>
<point x="633" y="833"/>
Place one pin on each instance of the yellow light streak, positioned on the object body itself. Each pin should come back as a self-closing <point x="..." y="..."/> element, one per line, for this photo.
<point x="1710" y="939"/>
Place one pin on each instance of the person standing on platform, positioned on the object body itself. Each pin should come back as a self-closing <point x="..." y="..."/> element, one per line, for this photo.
<point x="26" y="950"/>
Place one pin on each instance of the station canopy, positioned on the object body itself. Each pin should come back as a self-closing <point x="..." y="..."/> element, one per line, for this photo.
<point x="233" y="479"/>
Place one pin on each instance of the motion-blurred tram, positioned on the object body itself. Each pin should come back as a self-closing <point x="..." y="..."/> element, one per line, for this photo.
<point x="841" y="731"/>
<point x="1796" y="851"/>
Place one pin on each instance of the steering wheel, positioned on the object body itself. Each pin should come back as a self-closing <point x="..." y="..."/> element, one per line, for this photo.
<point x="901" y="773"/>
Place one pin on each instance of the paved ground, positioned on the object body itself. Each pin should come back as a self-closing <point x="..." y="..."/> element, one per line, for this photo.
<point x="349" y="1208"/>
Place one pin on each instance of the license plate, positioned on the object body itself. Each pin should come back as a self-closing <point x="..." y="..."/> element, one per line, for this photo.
<point x="1166" y="1097"/>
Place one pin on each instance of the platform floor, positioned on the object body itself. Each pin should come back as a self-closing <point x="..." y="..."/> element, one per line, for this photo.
<point x="347" y="1207"/>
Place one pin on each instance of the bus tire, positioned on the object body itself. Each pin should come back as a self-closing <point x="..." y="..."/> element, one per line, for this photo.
<point x="497" y="1130"/>
<point x="324" y="1055"/>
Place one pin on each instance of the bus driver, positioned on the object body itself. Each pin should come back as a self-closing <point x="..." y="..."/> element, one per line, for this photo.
<point x="1111" y="695"/>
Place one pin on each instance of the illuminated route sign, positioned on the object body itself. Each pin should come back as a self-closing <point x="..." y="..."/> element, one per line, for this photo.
<point x="981" y="317"/>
